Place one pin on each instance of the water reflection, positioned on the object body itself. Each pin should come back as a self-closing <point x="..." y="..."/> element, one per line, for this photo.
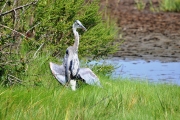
<point x="154" y="71"/>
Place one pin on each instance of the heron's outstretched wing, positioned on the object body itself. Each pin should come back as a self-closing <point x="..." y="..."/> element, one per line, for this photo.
<point x="59" y="72"/>
<point x="85" y="74"/>
<point x="88" y="76"/>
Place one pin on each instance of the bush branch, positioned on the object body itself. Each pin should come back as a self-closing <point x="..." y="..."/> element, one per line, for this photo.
<point x="20" y="7"/>
<point x="13" y="30"/>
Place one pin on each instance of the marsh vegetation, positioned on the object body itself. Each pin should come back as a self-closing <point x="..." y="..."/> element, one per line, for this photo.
<point x="34" y="33"/>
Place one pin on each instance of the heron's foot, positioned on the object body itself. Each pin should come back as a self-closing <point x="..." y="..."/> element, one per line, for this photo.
<point x="73" y="84"/>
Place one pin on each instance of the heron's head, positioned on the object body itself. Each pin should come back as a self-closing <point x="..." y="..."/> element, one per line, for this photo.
<point x="78" y="24"/>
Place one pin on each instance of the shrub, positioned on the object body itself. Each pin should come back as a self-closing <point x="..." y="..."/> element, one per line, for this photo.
<point x="47" y="29"/>
<point x="56" y="19"/>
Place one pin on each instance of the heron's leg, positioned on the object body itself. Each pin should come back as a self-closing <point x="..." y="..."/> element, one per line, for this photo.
<point x="73" y="84"/>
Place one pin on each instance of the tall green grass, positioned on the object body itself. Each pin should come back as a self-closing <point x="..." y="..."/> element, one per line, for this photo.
<point x="164" y="5"/>
<point x="170" y="5"/>
<point x="40" y="96"/>
<point x="118" y="99"/>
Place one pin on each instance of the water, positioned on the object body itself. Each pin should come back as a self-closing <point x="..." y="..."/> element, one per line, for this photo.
<point x="153" y="71"/>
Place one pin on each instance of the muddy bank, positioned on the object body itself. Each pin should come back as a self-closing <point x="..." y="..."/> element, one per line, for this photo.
<point x="147" y="35"/>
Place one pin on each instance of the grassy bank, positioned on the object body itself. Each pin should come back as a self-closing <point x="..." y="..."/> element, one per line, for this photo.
<point x="118" y="99"/>
<point x="164" y="5"/>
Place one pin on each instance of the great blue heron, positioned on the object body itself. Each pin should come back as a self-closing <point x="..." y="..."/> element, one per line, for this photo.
<point x="70" y="71"/>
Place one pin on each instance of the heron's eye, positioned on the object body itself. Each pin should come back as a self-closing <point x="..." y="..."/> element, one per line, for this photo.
<point x="77" y="24"/>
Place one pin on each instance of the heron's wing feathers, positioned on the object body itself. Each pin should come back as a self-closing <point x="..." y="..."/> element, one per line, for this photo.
<point x="88" y="76"/>
<point x="59" y="72"/>
<point x="84" y="73"/>
<point x="74" y="65"/>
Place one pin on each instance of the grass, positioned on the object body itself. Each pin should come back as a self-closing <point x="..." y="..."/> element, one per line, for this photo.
<point x="140" y="4"/>
<point x="118" y="99"/>
<point x="165" y="5"/>
<point x="41" y="97"/>
<point x="170" y="5"/>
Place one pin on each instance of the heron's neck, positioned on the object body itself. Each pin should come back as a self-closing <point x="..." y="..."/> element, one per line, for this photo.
<point x="76" y="35"/>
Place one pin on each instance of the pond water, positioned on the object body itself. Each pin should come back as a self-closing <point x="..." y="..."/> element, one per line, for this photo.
<point x="153" y="71"/>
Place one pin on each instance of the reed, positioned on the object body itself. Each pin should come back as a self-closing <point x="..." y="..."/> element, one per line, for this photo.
<point x="118" y="99"/>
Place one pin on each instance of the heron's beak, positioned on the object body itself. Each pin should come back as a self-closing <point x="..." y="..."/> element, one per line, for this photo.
<point x="84" y="28"/>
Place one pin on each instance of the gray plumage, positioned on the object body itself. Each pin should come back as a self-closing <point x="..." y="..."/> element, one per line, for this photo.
<point x="70" y="70"/>
<point x="85" y="74"/>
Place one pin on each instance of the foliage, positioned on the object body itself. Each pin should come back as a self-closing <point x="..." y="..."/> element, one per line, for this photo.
<point x="56" y="24"/>
<point x="140" y="4"/>
<point x="15" y="49"/>
<point x="118" y="99"/>
<point x="170" y="5"/>
<point x="104" y="69"/>
<point x="164" y="5"/>
<point x="43" y="31"/>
